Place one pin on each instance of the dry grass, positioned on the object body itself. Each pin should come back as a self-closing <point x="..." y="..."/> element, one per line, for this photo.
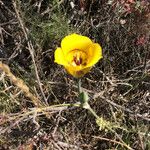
<point x="118" y="85"/>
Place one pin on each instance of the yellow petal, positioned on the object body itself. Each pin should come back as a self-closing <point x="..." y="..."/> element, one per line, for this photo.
<point x="77" y="73"/>
<point x="75" y="42"/>
<point x="94" y="54"/>
<point x="59" y="57"/>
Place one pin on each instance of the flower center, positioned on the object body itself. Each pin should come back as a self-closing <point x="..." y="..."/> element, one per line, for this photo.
<point x="77" y="58"/>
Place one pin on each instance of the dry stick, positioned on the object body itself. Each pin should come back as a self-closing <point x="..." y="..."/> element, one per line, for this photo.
<point x="53" y="109"/>
<point x="19" y="83"/>
<point x="121" y="107"/>
<point x="30" y="48"/>
<point x="127" y="110"/>
<point x="110" y="140"/>
<point x="22" y="115"/>
<point x="67" y="145"/>
<point x="127" y="146"/>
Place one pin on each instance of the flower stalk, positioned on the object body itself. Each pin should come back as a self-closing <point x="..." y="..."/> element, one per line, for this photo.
<point x="84" y="98"/>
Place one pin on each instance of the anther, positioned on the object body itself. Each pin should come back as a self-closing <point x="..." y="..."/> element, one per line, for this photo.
<point x="78" y="61"/>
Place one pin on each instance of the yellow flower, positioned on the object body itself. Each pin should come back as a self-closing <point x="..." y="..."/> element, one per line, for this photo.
<point x="78" y="54"/>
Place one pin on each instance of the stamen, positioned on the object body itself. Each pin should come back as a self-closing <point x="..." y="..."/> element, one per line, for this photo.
<point x="77" y="60"/>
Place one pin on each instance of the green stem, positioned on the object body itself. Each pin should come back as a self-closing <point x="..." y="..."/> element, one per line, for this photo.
<point x="93" y="112"/>
<point x="86" y="104"/>
<point x="79" y="86"/>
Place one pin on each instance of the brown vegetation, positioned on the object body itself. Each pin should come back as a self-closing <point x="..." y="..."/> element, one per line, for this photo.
<point x="38" y="98"/>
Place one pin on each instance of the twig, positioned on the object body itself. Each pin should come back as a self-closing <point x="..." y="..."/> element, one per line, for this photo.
<point x="30" y="48"/>
<point x="19" y="83"/>
<point x="113" y="141"/>
<point x="121" y="107"/>
<point x="67" y="145"/>
<point x="32" y="112"/>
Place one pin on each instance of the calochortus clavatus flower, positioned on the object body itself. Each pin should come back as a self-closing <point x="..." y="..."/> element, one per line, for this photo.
<point x="78" y="54"/>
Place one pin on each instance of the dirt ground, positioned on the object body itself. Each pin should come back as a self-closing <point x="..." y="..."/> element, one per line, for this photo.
<point x="38" y="97"/>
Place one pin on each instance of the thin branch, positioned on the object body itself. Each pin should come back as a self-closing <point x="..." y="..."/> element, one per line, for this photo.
<point x="112" y="141"/>
<point x="30" y="48"/>
<point x="121" y="107"/>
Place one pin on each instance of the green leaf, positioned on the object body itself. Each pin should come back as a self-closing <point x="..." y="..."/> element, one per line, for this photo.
<point x="83" y="96"/>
